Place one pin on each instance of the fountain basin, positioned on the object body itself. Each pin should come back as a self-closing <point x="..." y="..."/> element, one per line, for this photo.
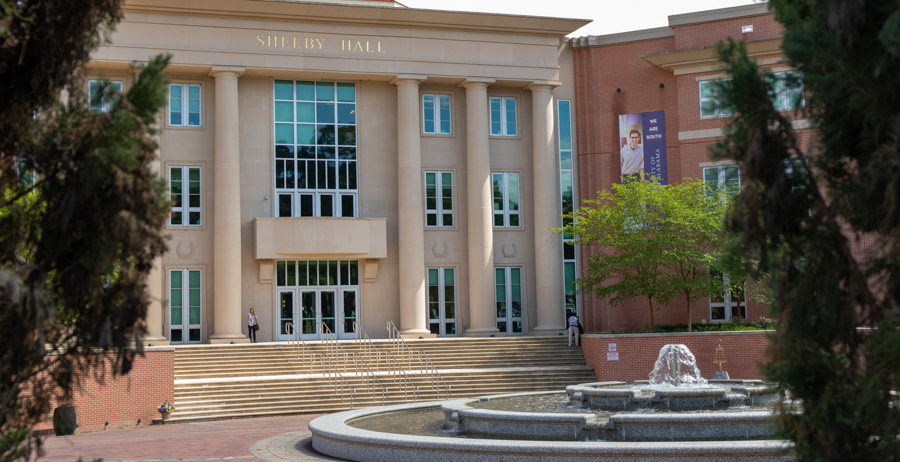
<point x="744" y="424"/>
<point x="618" y="396"/>
<point x="332" y="436"/>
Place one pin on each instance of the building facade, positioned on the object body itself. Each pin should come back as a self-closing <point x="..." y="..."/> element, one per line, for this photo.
<point x="338" y="165"/>
<point x="666" y="75"/>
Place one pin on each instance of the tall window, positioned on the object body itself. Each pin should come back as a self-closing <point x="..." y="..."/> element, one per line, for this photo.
<point x="184" y="105"/>
<point x="723" y="176"/>
<point x="731" y="304"/>
<point x="438" y="199"/>
<point x="184" y="305"/>
<point x="508" y="297"/>
<point x="503" y="116"/>
<point x="787" y="90"/>
<point x="567" y="197"/>
<point x="436" y="114"/>
<point x="442" y="301"/>
<point x="711" y="104"/>
<point x="315" y="149"/>
<point x="506" y="199"/>
<point x="184" y="194"/>
<point x="96" y="100"/>
<point x="724" y="306"/>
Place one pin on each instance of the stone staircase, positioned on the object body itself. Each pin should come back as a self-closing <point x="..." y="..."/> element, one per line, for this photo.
<point x="221" y="381"/>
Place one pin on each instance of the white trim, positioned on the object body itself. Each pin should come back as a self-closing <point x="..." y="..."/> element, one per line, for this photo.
<point x="439" y="212"/>
<point x="185" y="208"/>
<point x="436" y="114"/>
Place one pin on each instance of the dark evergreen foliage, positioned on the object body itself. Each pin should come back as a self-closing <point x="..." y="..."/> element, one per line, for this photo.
<point x="80" y="223"/>
<point x="826" y="229"/>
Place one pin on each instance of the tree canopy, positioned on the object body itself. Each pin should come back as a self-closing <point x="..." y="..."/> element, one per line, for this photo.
<point x="81" y="211"/>
<point x="820" y="214"/>
<point x="653" y="241"/>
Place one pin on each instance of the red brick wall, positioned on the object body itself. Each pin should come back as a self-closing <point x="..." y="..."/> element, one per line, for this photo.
<point x="599" y="71"/>
<point x="745" y="352"/>
<point x="709" y="34"/>
<point x="123" y="400"/>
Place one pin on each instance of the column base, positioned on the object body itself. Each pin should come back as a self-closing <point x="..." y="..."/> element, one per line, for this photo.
<point x="484" y="332"/>
<point x="218" y="339"/>
<point x="155" y="340"/>
<point x="416" y="334"/>
<point x="545" y="331"/>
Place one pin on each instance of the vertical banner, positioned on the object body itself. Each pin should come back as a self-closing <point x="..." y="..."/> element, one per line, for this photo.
<point x="642" y="146"/>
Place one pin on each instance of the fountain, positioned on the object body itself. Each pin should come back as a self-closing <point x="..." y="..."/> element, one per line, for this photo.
<point x="675" y="415"/>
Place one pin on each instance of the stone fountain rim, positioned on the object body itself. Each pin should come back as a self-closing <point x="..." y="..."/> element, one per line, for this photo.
<point x="333" y="428"/>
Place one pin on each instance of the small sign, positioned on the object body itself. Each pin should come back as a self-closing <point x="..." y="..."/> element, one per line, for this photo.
<point x="744" y="29"/>
<point x="612" y="347"/>
<point x="612" y="356"/>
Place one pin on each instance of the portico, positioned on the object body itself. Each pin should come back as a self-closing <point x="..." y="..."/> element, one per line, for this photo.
<point x="416" y="146"/>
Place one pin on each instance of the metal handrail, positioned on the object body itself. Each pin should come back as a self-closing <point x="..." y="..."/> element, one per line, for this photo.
<point x="397" y="341"/>
<point x="396" y="372"/>
<point x="331" y="343"/>
<point x="333" y="374"/>
<point x="369" y="347"/>
<point x="298" y="346"/>
<point x="368" y="378"/>
<point x="433" y="376"/>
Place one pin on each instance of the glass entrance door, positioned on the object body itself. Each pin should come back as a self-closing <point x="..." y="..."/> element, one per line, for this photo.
<point x="441" y="301"/>
<point x="349" y="302"/>
<point x="286" y="312"/>
<point x="508" y="290"/>
<point x="184" y="306"/>
<point x="310" y="293"/>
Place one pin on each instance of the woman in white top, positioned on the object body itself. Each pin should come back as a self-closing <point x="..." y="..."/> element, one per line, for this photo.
<point x="573" y="329"/>
<point x="252" y="325"/>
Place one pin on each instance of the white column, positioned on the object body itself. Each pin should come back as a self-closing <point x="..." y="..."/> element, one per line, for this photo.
<point x="547" y="245"/>
<point x="227" y="320"/>
<point x="155" y="309"/>
<point x="410" y="200"/>
<point x="480" y="213"/>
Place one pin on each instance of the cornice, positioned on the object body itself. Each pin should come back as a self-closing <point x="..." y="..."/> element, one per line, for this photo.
<point x="359" y="14"/>
<point x="705" y="59"/>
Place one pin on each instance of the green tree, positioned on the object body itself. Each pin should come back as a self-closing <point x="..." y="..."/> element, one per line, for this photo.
<point x="652" y="241"/>
<point x="80" y="220"/>
<point x="827" y="229"/>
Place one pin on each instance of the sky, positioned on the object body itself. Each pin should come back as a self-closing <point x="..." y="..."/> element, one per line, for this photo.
<point x="609" y="17"/>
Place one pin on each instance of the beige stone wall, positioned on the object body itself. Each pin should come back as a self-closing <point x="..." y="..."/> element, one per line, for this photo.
<point x="444" y="48"/>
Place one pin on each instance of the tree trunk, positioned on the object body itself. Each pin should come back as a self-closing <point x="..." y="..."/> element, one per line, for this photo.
<point x="688" y="295"/>
<point x="652" y="323"/>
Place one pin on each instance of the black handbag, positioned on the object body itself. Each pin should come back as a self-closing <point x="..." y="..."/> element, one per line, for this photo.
<point x="255" y="327"/>
<point x="580" y="328"/>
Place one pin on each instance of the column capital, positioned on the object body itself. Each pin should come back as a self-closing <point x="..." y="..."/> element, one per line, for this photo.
<point x="406" y="79"/>
<point x="476" y="82"/>
<point x="226" y="71"/>
<point x="543" y="85"/>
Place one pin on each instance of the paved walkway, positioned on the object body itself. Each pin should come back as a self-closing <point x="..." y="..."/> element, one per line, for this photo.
<point x="271" y="439"/>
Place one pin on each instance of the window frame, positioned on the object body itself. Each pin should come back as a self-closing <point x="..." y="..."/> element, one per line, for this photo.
<point x="728" y="307"/>
<point x="336" y="168"/>
<point x="721" y="174"/>
<point x="504" y="111"/>
<point x="506" y="212"/>
<point x="436" y="114"/>
<point x="185" y="208"/>
<point x="104" y="105"/>
<point x="185" y="109"/>
<point x="720" y="111"/>
<point x="439" y="212"/>
<point x="786" y="91"/>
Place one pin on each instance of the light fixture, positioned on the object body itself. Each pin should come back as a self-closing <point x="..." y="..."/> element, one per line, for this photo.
<point x="618" y="90"/>
<point x="662" y="85"/>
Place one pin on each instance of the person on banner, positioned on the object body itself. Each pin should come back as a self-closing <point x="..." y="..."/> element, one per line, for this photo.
<point x="632" y="156"/>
